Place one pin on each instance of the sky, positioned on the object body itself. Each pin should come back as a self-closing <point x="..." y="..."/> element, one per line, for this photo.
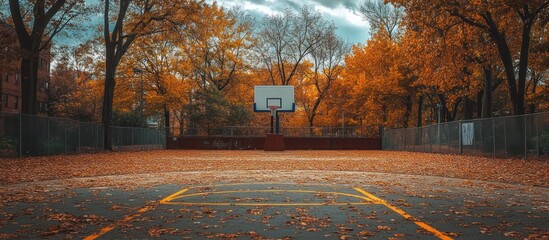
<point x="343" y="13"/>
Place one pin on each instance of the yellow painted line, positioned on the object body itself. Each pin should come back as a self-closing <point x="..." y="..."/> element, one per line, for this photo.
<point x="263" y="204"/>
<point x="404" y="214"/>
<point x="131" y="216"/>
<point x="117" y="223"/>
<point x="267" y="191"/>
<point x="173" y="196"/>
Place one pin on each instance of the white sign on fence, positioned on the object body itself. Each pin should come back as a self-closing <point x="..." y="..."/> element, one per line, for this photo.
<point x="467" y="133"/>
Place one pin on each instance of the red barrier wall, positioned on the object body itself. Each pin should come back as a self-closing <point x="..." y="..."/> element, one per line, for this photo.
<point x="291" y="143"/>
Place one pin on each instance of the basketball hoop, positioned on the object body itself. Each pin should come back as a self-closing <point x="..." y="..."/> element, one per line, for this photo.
<point x="273" y="110"/>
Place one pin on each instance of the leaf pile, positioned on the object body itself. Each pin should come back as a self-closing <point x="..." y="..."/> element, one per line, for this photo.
<point x="516" y="171"/>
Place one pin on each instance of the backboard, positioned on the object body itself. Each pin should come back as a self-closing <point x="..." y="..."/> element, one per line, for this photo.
<point x="281" y="96"/>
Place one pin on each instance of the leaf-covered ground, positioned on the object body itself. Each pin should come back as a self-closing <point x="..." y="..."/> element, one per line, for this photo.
<point x="466" y="197"/>
<point x="515" y="171"/>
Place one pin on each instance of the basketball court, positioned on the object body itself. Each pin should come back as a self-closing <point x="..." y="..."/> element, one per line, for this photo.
<point x="284" y="205"/>
<point x="272" y="210"/>
<point x="270" y="195"/>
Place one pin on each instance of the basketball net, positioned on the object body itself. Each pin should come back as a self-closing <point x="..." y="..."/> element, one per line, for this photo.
<point x="273" y="110"/>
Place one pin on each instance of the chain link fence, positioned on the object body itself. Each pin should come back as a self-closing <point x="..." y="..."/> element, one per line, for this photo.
<point x="525" y="136"/>
<point x="251" y="131"/>
<point x="29" y="135"/>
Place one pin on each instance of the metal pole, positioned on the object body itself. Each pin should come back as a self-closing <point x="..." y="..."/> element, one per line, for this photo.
<point x="343" y="122"/>
<point x="505" y="135"/>
<point x="97" y="137"/>
<point x="537" y="135"/>
<point x="460" y="138"/>
<point x="65" y="133"/>
<point x="20" y="135"/>
<point x="438" y="125"/>
<point x="525" y="138"/>
<point x="272" y="124"/>
<point x="447" y="139"/>
<point x="277" y="123"/>
<point x="494" y="136"/>
<point x="48" y="135"/>
<point x="475" y="139"/>
<point x="79" y="136"/>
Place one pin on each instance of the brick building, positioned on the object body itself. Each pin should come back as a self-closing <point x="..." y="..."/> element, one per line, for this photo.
<point x="10" y="74"/>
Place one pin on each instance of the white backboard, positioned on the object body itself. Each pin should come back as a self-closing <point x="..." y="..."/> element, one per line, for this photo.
<point x="281" y="96"/>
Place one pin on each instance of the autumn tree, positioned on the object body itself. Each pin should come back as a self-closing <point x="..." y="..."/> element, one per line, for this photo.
<point x="210" y="109"/>
<point x="285" y="40"/>
<point x="378" y="83"/>
<point x="36" y="23"/>
<point x="500" y="20"/>
<point x="327" y="59"/>
<point x="382" y="16"/>
<point x="154" y="73"/>
<point x="72" y="92"/>
<point x="142" y="18"/>
<point x="386" y="19"/>
<point x="218" y="46"/>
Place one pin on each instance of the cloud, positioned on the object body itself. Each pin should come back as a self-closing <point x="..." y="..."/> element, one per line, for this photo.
<point x="349" y="4"/>
<point x="342" y="13"/>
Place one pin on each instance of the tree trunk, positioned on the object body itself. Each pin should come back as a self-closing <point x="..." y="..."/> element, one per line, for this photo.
<point x="468" y="109"/>
<point x="408" y="111"/>
<point x="487" y="94"/>
<point x="167" y="119"/>
<point x="3" y="72"/>
<point x="182" y="123"/>
<point x="523" y="68"/>
<point x="535" y="81"/>
<point x="29" y="76"/>
<point x="110" y="82"/>
<point x="311" y="121"/>
<point x="443" y="110"/>
<point x="507" y="61"/>
<point x="419" y="111"/>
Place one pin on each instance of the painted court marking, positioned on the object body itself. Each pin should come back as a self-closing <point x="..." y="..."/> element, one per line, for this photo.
<point x="368" y="201"/>
<point x="405" y="215"/>
<point x="367" y="198"/>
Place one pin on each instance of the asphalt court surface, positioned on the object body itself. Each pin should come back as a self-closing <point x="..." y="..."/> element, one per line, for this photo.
<point x="275" y="211"/>
<point x="282" y="210"/>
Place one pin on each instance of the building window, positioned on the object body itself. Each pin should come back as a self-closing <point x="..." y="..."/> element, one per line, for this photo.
<point x="43" y="106"/>
<point x="16" y="78"/>
<point x="16" y="102"/>
<point x="40" y="86"/>
<point x="7" y="76"/>
<point x="5" y="100"/>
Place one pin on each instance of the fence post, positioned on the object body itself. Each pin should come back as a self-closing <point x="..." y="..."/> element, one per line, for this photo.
<point x="459" y="138"/>
<point x="494" y="137"/>
<point x="79" y="136"/>
<point x="525" y="138"/>
<point x="505" y="134"/>
<point x="447" y="139"/>
<point x="65" y="133"/>
<point x="20" y="135"/>
<point x="48" y="136"/>
<point x="537" y="135"/>
<point x="97" y="137"/>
